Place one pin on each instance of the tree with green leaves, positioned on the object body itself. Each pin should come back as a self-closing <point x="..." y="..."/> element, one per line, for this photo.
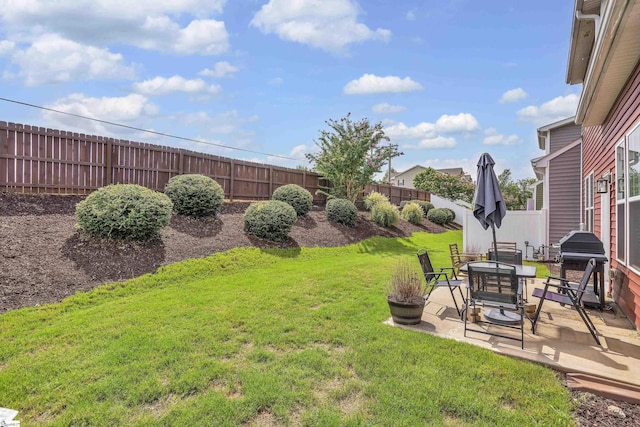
<point x="385" y="178"/>
<point x="444" y="185"/>
<point x="515" y="194"/>
<point x="350" y="153"/>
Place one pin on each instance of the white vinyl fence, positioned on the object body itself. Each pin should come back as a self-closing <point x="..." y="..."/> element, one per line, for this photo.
<point x="459" y="210"/>
<point x="517" y="226"/>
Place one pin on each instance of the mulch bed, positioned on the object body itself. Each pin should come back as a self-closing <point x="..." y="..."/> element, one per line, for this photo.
<point x="44" y="259"/>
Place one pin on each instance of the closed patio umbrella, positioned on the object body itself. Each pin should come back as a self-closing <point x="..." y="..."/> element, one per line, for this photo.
<point x="488" y="205"/>
<point x="489" y="208"/>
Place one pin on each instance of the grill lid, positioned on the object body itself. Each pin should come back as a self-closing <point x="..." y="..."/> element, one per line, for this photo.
<point x="581" y="242"/>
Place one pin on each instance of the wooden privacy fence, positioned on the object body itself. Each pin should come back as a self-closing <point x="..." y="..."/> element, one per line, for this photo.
<point x="39" y="160"/>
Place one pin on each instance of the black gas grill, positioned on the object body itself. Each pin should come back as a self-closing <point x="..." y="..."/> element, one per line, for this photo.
<point x="576" y="249"/>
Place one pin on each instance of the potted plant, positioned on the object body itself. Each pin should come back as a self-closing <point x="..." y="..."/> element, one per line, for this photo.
<point x="406" y="294"/>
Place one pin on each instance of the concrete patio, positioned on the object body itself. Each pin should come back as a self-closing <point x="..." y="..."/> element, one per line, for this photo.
<point x="562" y="341"/>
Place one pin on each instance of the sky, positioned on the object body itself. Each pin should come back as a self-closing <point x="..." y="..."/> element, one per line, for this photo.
<point x="449" y="80"/>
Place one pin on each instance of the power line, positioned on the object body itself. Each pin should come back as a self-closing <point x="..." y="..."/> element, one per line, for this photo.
<point x="168" y="135"/>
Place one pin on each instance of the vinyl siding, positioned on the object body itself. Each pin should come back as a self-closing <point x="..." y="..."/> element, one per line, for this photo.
<point x="564" y="195"/>
<point x="563" y="136"/>
<point x="539" y="196"/>
<point x="599" y="155"/>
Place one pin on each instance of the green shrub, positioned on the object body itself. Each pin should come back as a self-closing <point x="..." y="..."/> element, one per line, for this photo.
<point x="124" y="211"/>
<point x="373" y="199"/>
<point x="405" y="203"/>
<point x="412" y="212"/>
<point x="300" y="199"/>
<point x="426" y="206"/>
<point x="384" y="214"/>
<point x="438" y="216"/>
<point x="195" y="195"/>
<point x="342" y="211"/>
<point x="452" y="214"/>
<point x="271" y="219"/>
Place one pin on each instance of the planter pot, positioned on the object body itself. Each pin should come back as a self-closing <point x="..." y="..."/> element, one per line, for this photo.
<point x="406" y="314"/>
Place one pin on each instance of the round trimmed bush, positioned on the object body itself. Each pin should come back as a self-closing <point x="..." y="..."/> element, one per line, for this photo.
<point x="426" y="206"/>
<point x="271" y="219"/>
<point x="124" y="211"/>
<point x="195" y="195"/>
<point x="438" y="216"/>
<point x="373" y="199"/>
<point x="384" y="214"/>
<point x="412" y="212"/>
<point x="342" y="211"/>
<point x="452" y="214"/>
<point x="299" y="198"/>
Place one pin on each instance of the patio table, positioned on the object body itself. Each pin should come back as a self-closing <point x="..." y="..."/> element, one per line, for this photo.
<point x="522" y="272"/>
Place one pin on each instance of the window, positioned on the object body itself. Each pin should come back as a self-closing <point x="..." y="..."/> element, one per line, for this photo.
<point x="628" y="199"/>
<point x="620" y="205"/>
<point x="633" y="198"/>
<point x="588" y="203"/>
<point x="401" y="182"/>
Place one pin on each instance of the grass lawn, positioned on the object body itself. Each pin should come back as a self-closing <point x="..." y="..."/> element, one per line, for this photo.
<point x="262" y="337"/>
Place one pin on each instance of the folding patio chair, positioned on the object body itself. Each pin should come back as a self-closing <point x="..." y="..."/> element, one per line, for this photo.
<point x="494" y="285"/>
<point x="445" y="277"/>
<point x="458" y="259"/>
<point x="569" y="293"/>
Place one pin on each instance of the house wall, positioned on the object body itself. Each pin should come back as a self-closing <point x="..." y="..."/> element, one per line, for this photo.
<point x="563" y="136"/>
<point x="564" y="195"/>
<point x="408" y="177"/>
<point x="599" y="156"/>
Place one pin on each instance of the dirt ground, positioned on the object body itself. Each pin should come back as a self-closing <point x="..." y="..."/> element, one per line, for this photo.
<point x="44" y="259"/>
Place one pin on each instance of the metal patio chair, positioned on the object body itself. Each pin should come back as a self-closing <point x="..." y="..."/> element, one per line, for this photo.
<point x="495" y="286"/>
<point x="569" y="293"/>
<point x="444" y="277"/>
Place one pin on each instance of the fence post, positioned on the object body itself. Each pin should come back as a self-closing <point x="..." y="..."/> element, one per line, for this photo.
<point x="108" y="175"/>
<point x="181" y="163"/>
<point x="304" y="179"/>
<point x="231" y="181"/>
<point x="270" y="181"/>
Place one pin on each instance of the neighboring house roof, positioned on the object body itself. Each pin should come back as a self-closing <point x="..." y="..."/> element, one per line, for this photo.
<point x="540" y="164"/>
<point x="449" y="171"/>
<point x="604" y="51"/>
<point x="452" y="171"/>
<point x="409" y="170"/>
<point x="543" y="132"/>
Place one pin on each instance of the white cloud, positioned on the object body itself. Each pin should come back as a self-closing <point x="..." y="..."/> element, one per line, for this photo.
<point x="52" y="59"/>
<point x="558" y="108"/>
<point x="149" y="25"/>
<point x="330" y="25"/>
<point x="401" y="131"/>
<point x="276" y="81"/>
<point x="204" y="37"/>
<point x="299" y="151"/>
<point x="370" y="83"/>
<point x="463" y="122"/>
<point x="385" y="108"/>
<point x="162" y="86"/>
<point x="410" y="16"/>
<point x="513" y="95"/>
<point x="437" y="142"/>
<point x="493" y="137"/>
<point x="6" y="47"/>
<point x="220" y="69"/>
<point x="130" y="108"/>
<point x="427" y="135"/>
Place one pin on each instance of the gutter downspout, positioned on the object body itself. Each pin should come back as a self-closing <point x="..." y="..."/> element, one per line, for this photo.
<point x="596" y="20"/>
